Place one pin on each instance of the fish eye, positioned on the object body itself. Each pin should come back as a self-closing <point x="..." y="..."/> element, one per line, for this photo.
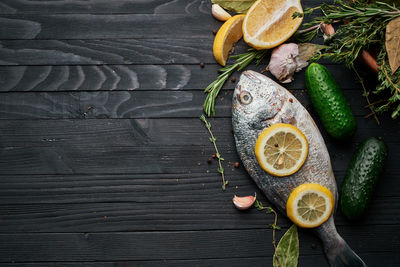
<point x="245" y="97"/>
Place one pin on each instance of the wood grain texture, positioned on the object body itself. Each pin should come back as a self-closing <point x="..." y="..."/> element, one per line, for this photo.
<point x="175" y="245"/>
<point x="117" y="7"/>
<point x="105" y="26"/>
<point x="164" y="214"/>
<point x="103" y="160"/>
<point x="133" y="77"/>
<point x="131" y="104"/>
<point x="163" y="51"/>
<point x="136" y="132"/>
<point x="104" y="6"/>
<point x="136" y="146"/>
<point x="374" y="259"/>
<point x="139" y="159"/>
<point x="175" y="187"/>
<point x="115" y="51"/>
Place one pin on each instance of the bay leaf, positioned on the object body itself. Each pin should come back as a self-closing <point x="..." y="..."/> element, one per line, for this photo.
<point x="238" y="6"/>
<point x="392" y="43"/>
<point x="287" y="251"/>
<point x="308" y="50"/>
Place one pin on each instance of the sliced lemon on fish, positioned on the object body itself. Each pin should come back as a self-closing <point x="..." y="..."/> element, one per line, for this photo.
<point x="229" y="33"/>
<point x="310" y="205"/>
<point x="281" y="149"/>
<point x="268" y="23"/>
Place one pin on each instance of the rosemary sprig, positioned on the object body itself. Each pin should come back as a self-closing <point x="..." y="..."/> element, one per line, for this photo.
<point x="218" y="155"/>
<point x="362" y="26"/>
<point x="242" y="61"/>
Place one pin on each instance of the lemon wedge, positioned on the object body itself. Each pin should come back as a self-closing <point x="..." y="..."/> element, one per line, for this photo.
<point x="310" y="205"/>
<point x="268" y="23"/>
<point x="281" y="149"/>
<point x="229" y="33"/>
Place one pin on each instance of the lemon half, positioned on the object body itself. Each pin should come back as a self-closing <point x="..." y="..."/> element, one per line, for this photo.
<point x="310" y="205"/>
<point x="268" y="23"/>
<point x="281" y="149"/>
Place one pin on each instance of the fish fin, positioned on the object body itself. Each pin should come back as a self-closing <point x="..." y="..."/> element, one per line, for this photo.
<point x="341" y="255"/>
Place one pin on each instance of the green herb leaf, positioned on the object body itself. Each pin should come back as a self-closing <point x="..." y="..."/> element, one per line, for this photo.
<point x="238" y="6"/>
<point x="268" y="210"/>
<point x="287" y="251"/>
<point x="257" y="204"/>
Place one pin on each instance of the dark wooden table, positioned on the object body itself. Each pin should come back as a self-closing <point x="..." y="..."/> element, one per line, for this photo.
<point x="103" y="158"/>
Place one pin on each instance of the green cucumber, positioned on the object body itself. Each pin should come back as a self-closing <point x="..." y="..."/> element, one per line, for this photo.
<point x="361" y="177"/>
<point x="329" y="102"/>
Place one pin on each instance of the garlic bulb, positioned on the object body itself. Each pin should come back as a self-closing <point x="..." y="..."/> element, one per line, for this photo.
<point x="285" y="61"/>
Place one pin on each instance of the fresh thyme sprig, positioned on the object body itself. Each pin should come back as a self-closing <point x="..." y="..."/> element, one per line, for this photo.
<point x="217" y="154"/>
<point x="259" y="206"/>
<point x="242" y="61"/>
<point x="362" y="27"/>
<point x="366" y="95"/>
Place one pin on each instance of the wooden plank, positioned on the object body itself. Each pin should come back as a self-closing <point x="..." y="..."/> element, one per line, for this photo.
<point x="139" y="146"/>
<point x="117" y="6"/>
<point x="103" y="6"/>
<point x="113" y="51"/>
<point x="106" y="26"/>
<point x="186" y="245"/>
<point x="144" y="159"/>
<point x="162" y="131"/>
<point x="372" y="258"/>
<point x="116" y="51"/>
<point x="29" y="188"/>
<point x="162" y="213"/>
<point x="60" y="105"/>
<point x="133" y="77"/>
<point x="130" y="104"/>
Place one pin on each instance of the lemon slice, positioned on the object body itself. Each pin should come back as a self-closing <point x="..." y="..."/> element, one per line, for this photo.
<point x="310" y="205"/>
<point x="281" y="149"/>
<point x="268" y="23"/>
<point x="229" y="33"/>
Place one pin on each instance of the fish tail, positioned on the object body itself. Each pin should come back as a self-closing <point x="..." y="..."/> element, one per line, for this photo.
<point x="337" y="251"/>
<point x="339" y="254"/>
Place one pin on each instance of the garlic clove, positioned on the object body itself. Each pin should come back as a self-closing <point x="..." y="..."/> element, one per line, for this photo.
<point x="219" y="13"/>
<point x="244" y="203"/>
<point x="328" y="30"/>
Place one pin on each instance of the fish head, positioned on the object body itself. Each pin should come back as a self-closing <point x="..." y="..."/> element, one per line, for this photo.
<point x="256" y="101"/>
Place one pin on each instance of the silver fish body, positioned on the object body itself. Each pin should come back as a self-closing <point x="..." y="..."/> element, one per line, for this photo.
<point x="259" y="102"/>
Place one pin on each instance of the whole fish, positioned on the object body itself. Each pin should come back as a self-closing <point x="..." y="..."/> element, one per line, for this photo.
<point x="259" y="102"/>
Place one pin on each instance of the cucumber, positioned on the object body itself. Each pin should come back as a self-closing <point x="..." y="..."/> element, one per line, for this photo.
<point x="329" y="102"/>
<point x="361" y="177"/>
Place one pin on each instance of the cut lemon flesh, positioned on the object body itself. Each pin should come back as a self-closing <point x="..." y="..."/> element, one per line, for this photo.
<point x="281" y="149"/>
<point x="229" y="33"/>
<point x="268" y="23"/>
<point x="310" y="205"/>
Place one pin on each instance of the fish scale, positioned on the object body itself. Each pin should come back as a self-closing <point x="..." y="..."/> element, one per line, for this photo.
<point x="269" y="104"/>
